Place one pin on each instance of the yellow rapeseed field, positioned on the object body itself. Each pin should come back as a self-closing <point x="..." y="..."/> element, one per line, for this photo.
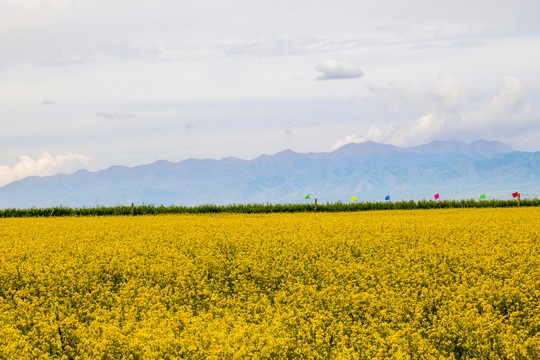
<point x="422" y="284"/>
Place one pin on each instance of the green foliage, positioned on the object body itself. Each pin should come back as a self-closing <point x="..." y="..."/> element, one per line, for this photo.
<point x="263" y="208"/>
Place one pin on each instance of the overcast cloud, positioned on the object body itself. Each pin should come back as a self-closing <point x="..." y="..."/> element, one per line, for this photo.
<point x="118" y="82"/>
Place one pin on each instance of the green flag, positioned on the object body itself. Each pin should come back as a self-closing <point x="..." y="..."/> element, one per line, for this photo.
<point x="307" y="196"/>
<point x="483" y="196"/>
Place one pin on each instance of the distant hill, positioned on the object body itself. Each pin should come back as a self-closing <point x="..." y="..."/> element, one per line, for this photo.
<point x="368" y="170"/>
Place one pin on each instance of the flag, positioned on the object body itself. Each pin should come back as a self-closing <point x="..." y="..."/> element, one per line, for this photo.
<point x="483" y="196"/>
<point x="307" y="196"/>
<point x="436" y="196"/>
<point x="387" y="198"/>
<point x="516" y="194"/>
<point x="353" y="198"/>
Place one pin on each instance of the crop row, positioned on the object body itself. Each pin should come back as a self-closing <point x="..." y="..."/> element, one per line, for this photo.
<point x="264" y="208"/>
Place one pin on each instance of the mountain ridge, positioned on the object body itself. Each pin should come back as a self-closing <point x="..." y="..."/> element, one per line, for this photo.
<point x="370" y="170"/>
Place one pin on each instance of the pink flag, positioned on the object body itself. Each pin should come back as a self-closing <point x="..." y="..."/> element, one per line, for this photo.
<point x="436" y="196"/>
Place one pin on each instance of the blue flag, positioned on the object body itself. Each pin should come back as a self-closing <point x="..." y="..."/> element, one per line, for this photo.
<point x="387" y="198"/>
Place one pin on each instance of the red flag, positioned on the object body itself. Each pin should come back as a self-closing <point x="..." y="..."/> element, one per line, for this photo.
<point x="516" y="194"/>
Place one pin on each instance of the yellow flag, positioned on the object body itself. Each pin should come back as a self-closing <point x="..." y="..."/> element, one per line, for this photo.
<point x="353" y="198"/>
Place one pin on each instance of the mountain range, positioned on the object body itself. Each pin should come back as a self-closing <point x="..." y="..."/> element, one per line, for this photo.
<point x="368" y="170"/>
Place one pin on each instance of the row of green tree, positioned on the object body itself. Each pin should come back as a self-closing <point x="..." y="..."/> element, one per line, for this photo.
<point x="263" y="208"/>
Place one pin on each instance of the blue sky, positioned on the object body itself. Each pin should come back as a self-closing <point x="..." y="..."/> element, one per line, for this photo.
<point x="89" y="84"/>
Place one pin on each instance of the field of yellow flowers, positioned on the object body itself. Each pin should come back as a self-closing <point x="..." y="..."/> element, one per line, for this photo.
<point x="419" y="284"/>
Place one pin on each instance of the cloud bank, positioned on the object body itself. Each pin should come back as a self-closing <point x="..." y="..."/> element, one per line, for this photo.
<point x="333" y="70"/>
<point x="45" y="165"/>
<point x="444" y="110"/>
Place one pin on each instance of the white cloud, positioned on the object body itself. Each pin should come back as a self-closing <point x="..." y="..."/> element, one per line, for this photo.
<point x="446" y="98"/>
<point x="499" y="108"/>
<point x="352" y="138"/>
<point x="426" y="129"/>
<point x="419" y="131"/>
<point x="114" y="116"/>
<point x="422" y="124"/>
<point x="447" y="92"/>
<point x="397" y="95"/>
<point x="444" y="110"/>
<point x="45" y="165"/>
<point x="333" y="70"/>
<point x="374" y="133"/>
